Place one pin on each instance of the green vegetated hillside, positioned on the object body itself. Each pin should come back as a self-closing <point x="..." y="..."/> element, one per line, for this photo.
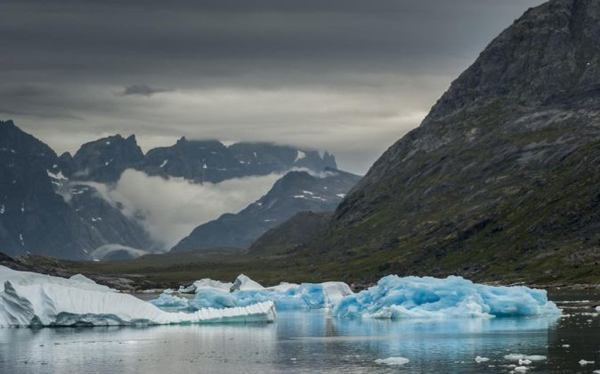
<point x="502" y="179"/>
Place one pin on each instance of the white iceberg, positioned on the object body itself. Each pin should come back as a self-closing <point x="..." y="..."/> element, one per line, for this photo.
<point x="415" y="297"/>
<point x="393" y="361"/>
<point x="30" y="299"/>
<point x="206" y="283"/>
<point x="244" y="283"/>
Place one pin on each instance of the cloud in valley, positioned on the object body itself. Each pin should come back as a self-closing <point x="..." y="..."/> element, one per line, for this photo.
<point x="169" y="209"/>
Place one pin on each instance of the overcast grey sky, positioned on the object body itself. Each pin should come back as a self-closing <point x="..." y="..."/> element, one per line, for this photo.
<point x="349" y="76"/>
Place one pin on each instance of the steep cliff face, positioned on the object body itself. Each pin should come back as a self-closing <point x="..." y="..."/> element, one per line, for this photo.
<point x="42" y="212"/>
<point x="503" y="172"/>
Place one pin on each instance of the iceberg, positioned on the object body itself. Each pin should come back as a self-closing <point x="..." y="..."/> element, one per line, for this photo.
<point x="244" y="283"/>
<point x="206" y="283"/>
<point x="415" y="297"/>
<point x="30" y="299"/>
<point x="245" y="291"/>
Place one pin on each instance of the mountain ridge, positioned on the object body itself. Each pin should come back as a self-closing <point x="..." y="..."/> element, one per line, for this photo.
<point x="500" y="178"/>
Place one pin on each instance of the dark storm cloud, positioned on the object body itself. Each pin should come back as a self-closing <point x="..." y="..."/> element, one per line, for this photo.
<point x="143" y="90"/>
<point x="347" y="75"/>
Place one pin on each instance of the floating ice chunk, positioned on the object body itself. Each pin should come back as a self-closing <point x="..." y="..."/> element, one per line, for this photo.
<point x="170" y="303"/>
<point x="480" y="359"/>
<point x="244" y="292"/>
<point x="283" y="287"/>
<point x="29" y="299"/>
<point x="584" y="362"/>
<point x="206" y="284"/>
<point x="212" y="284"/>
<point x="414" y="297"/>
<point x="244" y="283"/>
<point x="211" y="298"/>
<point x="521" y="369"/>
<point x="566" y="345"/>
<point x="162" y="165"/>
<point x="522" y="357"/>
<point x="393" y="361"/>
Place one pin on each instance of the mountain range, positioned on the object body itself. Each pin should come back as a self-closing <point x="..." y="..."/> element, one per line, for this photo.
<point x="51" y="205"/>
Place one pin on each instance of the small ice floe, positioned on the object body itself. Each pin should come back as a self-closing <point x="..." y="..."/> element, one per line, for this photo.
<point x="480" y="359"/>
<point x="584" y="362"/>
<point x="521" y="369"/>
<point x="163" y="163"/>
<point x="393" y="361"/>
<point x="522" y="358"/>
<point x="566" y="345"/>
<point x="341" y="195"/>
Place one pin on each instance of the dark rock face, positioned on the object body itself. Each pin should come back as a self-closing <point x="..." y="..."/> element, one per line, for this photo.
<point x="105" y="159"/>
<point x="502" y="175"/>
<point x="293" y="235"/>
<point x="34" y="214"/>
<point x="211" y="161"/>
<point x="295" y="192"/>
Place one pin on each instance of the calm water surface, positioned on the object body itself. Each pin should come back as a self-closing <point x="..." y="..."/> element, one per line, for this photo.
<point x="311" y="343"/>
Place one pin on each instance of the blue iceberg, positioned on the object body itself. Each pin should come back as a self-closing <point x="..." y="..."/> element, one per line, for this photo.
<point x="244" y="292"/>
<point x="414" y="297"/>
<point x="170" y="303"/>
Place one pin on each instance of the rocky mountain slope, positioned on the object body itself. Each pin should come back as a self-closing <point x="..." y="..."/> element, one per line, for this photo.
<point x="297" y="191"/>
<point x="40" y="213"/>
<point x="502" y="179"/>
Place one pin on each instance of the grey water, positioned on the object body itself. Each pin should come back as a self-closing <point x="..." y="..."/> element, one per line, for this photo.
<point x="312" y="342"/>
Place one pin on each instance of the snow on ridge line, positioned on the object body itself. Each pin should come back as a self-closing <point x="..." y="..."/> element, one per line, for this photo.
<point x="29" y="299"/>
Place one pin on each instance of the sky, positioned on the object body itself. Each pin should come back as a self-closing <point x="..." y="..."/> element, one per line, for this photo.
<point x="347" y="76"/>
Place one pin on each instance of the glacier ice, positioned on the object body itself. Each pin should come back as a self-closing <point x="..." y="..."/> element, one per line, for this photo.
<point x="426" y="297"/>
<point x="206" y="283"/>
<point x="30" y="299"/>
<point x="244" y="283"/>
<point x="244" y="291"/>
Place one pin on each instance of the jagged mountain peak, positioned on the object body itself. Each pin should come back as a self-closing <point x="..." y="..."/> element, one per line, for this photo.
<point x="547" y="54"/>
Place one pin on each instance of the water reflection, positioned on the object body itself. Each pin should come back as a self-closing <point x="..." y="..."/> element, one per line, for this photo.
<point x="299" y="343"/>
